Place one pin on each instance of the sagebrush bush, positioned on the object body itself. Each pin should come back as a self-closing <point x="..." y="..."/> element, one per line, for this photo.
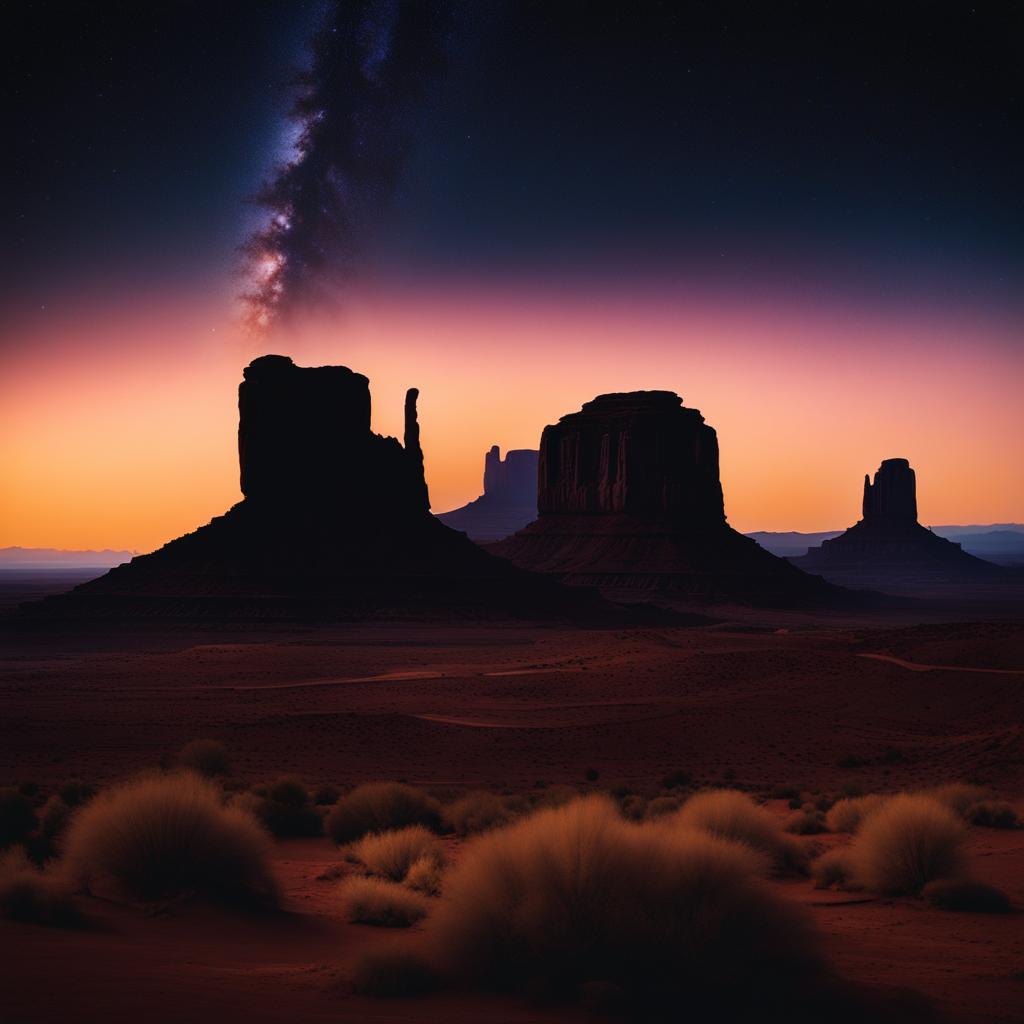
<point x="17" y="819"/>
<point x="30" y="895"/>
<point x="392" y="974"/>
<point x="832" y="868"/>
<point x="284" y="809"/>
<point x="993" y="814"/>
<point x="166" y="835"/>
<point x="729" y="814"/>
<point x="425" y="876"/>
<point x="959" y="797"/>
<point x="379" y="902"/>
<point x="848" y="814"/>
<point x="577" y="895"/>
<point x="908" y="842"/>
<point x="660" y="806"/>
<point x="391" y="854"/>
<point x="207" y="757"/>
<point x="962" y="894"/>
<point x="477" y="812"/>
<point x="378" y="807"/>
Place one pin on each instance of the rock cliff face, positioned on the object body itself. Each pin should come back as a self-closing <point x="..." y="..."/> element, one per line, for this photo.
<point x="893" y="495"/>
<point x="630" y="499"/>
<point x="335" y="524"/>
<point x="509" y="500"/>
<point x="888" y="547"/>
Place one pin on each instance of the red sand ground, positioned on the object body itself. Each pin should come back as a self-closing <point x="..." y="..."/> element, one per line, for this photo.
<point x="509" y="706"/>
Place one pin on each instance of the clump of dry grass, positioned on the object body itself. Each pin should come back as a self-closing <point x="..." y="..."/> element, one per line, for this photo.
<point x="578" y="895"/>
<point x="660" y="806"/>
<point x="378" y="902"/>
<point x="378" y="807"/>
<point x="393" y="974"/>
<point x="729" y="814"/>
<point x="425" y="876"/>
<point x="286" y="811"/>
<point x="392" y="854"/>
<point x="326" y="795"/>
<point x="30" y="895"/>
<point x="75" y="792"/>
<point x="477" y="812"/>
<point x="910" y="841"/>
<point x="962" y="894"/>
<point x="207" y="757"/>
<point x="832" y="868"/>
<point x="959" y="797"/>
<point x="848" y="814"/>
<point x="993" y="814"/>
<point x="166" y="835"/>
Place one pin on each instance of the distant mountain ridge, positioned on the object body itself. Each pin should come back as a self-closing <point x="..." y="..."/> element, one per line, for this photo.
<point x="57" y="558"/>
<point x="997" y="541"/>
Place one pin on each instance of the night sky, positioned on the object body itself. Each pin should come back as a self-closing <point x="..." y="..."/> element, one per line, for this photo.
<point x="815" y="196"/>
<point x="710" y="136"/>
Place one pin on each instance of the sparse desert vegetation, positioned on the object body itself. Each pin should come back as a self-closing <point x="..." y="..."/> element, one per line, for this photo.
<point x="993" y="814"/>
<point x="379" y="807"/>
<point x="377" y="901"/>
<point x="911" y="840"/>
<point x="28" y="894"/>
<point x="577" y="894"/>
<point x="285" y="809"/>
<point x="392" y="854"/>
<point x="729" y="814"/>
<point x="166" y="835"/>
<point x="964" y="894"/>
<point x="847" y="814"/>
<point x="477" y="812"/>
<point x="207" y="757"/>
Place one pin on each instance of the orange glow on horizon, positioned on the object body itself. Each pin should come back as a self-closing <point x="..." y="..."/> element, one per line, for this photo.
<point x="118" y="429"/>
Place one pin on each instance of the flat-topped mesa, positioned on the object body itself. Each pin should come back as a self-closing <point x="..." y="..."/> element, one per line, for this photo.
<point x="640" y="453"/>
<point x="512" y="481"/>
<point x="629" y="499"/>
<point x="893" y="496"/>
<point x="304" y="439"/>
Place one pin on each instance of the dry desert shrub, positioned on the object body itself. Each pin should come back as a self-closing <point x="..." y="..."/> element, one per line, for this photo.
<point x="848" y="814"/>
<point x="910" y="841"/>
<point x="75" y="792"/>
<point x="30" y="895"/>
<point x="959" y="797"/>
<point x="832" y="868"/>
<point x="477" y="812"/>
<point x="166" y="835"/>
<point x="577" y="895"/>
<point x="425" y="876"/>
<point x="286" y="811"/>
<point x="207" y="757"/>
<point x="993" y="814"/>
<point x="962" y="894"/>
<point x="379" y="806"/>
<point x="392" y="854"/>
<point x="660" y="806"/>
<point x="378" y="902"/>
<point x="393" y="974"/>
<point x="729" y="814"/>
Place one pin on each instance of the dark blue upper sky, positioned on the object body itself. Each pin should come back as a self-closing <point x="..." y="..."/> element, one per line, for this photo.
<point x="881" y="141"/>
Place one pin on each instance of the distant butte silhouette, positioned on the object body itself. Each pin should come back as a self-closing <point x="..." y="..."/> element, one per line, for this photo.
<point x="629" y="498"/>
<point x="888" y="544"/>
<point x="509" y="500"/>
<point x="335" y="524"/>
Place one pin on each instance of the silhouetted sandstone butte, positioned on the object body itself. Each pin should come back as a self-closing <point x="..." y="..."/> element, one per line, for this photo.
<point x="888" y="544"/>
<point x="335" y="523"/>
<point x="509" y="500"/>
<point x="630" y="497"/>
